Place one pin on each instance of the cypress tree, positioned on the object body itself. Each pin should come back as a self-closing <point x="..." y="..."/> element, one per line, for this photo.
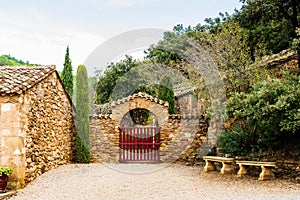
<point x="67" y="75"/>
<point x="82" y="116"/>
<point x="166" y="93"/>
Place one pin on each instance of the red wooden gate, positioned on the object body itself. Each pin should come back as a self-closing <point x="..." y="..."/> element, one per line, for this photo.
<point x="139" y="144"/>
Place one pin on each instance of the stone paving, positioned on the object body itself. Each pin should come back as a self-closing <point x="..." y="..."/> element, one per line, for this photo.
<point x="150" y="181"/>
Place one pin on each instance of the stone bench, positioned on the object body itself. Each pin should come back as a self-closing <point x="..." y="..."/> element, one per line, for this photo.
<point x="227" y="168"/>
<point x="266" y="169"/>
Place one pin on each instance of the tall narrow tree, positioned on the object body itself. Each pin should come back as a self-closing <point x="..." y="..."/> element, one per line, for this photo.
<point x="82" y="116"/>
<point x="67" y="74"/>
<point x="166" y="93"/>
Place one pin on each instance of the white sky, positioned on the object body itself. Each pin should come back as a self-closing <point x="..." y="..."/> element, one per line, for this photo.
<point x="39" y="31"/>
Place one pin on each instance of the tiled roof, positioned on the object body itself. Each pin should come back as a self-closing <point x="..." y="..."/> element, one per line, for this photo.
<point x="15" y="80"/>
<point x="142" y="95"/>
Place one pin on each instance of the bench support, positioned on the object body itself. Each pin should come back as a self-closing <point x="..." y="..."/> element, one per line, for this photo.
<point x="266" y="173"/>
<point x="242" y="171"/>
<point x="209" y="166"/>
<point x="227" y="168"/>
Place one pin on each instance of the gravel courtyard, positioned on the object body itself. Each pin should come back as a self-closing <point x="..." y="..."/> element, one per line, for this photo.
<point x="146" y="181"/>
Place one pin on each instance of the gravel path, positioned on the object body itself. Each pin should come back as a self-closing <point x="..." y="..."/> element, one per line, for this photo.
<point x="109" y="181"/>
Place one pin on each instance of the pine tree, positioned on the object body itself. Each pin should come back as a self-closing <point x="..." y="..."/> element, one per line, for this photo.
<point x="67" y="74"/>
<point x="166" y="93"/>
<point x="82" y="116"/>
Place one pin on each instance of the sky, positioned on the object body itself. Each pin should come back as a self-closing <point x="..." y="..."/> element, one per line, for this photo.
<point x="39" y="31"/>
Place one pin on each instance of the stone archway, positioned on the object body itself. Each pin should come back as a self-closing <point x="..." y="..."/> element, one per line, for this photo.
<point x="139" y="117"/>
<point x="140" y="101"/>
<point x="140" y="143"/>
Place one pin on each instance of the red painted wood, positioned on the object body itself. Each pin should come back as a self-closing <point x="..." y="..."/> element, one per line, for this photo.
<point x="130" y="145"/>
<point x="139" y="144"/>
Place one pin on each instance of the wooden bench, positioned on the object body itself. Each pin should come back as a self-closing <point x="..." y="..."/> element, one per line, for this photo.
<point x="227" y="168"/>
<point x="266" y="169"/>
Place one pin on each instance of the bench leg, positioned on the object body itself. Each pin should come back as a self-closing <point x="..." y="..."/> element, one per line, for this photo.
<point x="266" y="173"/>
<point x="209" y="166"/>
<point x="242" y="171"/>
<point x="226" y="168"/>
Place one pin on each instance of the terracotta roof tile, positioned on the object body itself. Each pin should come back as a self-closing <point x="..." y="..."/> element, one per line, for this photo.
<point x="15" y="80"/>
<point x="107" y="108"/>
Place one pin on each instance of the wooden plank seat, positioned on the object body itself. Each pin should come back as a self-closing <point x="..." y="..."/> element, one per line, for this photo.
<point x="227" y="168"/>
<point x="266" y="169"/>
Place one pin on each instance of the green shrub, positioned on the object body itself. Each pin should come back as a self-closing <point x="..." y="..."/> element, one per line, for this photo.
<point x="269" y="111"/>
<point x="235" y="142"/>
<point x="5" y="171"/>
<point x="166" y="93"/>
<point x="82" y="116"/>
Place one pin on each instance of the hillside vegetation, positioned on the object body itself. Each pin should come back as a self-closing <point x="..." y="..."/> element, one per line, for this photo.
<point x="12" y="61"/>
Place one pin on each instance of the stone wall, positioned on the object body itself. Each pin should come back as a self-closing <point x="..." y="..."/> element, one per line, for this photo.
<point x="36" y="131"/>
<point x="278" y="59"/>
<point x="104" y="135"/>
<point x="181" y="139"/>
<point x="12" y="139"/>
<point x="288" y="169"/>
<point x="50" y="127"/>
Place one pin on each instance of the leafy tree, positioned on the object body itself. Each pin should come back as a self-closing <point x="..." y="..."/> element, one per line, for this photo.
<point x="269" y="22"/>
<point x="163" y="52"/>
<point x="122" y="79"/>
<point x="67" y="75"/>
<point x="268" y="111"/>
<point x="82" y="116"/>
<point x="166" y="93"/>
<point x="228" y="48"/>
<point x="108" y="80"/>
<point x="222" y="39"/>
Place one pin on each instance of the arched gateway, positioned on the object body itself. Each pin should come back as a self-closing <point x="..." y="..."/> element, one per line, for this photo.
<point x="140" y="101"/>
<point x="137" y="143"/>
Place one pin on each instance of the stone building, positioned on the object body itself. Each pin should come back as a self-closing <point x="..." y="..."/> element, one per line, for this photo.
<point x="36" y="122"/>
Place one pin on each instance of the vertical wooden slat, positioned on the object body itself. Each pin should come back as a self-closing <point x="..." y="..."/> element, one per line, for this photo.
<point x="156" y="136"/>
<point x="139" y="143"/>
<point x="158" y="144"/>
<point x="127" y="141"/>
<point x="144" y="141"/>
<point x="120" y="143"/>
<point x="134" y="146"/>
<point x="147" y="140"/>
<point x="152" y="146"/>
<point x="130" y="146"/>
<point x="123" y="151"/>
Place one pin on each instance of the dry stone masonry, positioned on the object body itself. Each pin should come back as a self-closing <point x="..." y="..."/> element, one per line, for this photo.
<point x="36" y="122"/>
<point x="181" y="138"/>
